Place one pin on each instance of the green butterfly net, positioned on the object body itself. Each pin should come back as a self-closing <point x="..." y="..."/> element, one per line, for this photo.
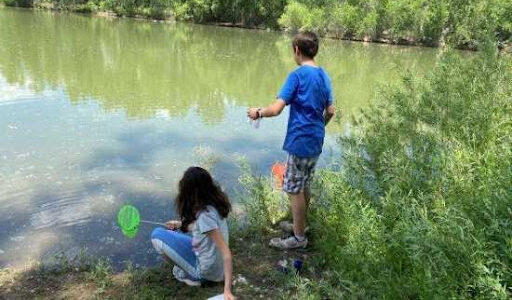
<point x="128" y="220"/>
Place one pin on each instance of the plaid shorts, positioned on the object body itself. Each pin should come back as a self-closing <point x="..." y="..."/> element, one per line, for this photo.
<point x="299" y="172"/>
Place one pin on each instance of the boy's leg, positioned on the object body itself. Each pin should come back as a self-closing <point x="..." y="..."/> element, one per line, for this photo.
<point x="296" y="183"/>
<point x="287" y="226"/>
<point x="299" y="208"/>
<point x="307" y="196"/>
<point x="177" y="247"/>
<point x="300" y="201"/>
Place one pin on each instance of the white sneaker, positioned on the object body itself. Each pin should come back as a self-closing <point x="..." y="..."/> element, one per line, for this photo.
<point x="287" y="226"/>
<point x="182" y="276"/>
<point x="288" y="243"/>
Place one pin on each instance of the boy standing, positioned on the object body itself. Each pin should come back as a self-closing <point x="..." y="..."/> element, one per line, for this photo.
<point x="307" y="91"/>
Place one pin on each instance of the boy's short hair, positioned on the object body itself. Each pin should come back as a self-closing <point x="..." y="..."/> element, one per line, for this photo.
<point x="307" y="42"/>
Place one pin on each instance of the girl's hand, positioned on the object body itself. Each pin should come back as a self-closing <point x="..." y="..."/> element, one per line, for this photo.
<point x="229" y="296"/>
<point x="173" y="224"/>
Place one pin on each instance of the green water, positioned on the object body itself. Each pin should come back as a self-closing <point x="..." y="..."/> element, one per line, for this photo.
<point x="96" y="113"/>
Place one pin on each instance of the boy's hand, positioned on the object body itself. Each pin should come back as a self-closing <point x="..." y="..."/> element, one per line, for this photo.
<point x="173" y="224"/>
<point x="253" y="114"/>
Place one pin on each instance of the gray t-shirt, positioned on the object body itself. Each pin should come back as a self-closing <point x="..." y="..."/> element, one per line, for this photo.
<point x="210" y="262"/>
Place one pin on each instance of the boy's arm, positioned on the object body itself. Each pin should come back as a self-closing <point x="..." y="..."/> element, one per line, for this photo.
<point x="330" y="111"/>
<point x="272" y="110"/>
<point x="217" y="238"/>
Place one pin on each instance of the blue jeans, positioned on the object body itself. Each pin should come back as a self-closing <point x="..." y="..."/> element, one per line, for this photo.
<point x="178" y="247"/>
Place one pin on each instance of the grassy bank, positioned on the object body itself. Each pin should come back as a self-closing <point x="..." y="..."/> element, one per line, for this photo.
<point x="432" y="23"/>
<point x="421" y="207"/>
<point x="255" y="278"/>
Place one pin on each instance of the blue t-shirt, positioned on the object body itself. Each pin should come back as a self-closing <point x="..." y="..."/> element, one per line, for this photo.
<point x="307" y="91"/>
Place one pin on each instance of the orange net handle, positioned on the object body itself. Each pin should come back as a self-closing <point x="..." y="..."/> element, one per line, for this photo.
<point x="278" y="170"/>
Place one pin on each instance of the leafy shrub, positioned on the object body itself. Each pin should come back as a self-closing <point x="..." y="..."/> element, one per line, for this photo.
<point x="350" y="20"/>
<point x="156" y="9"/>
<point x="126" y="7"/>
<point x="422" y="206"/>
<point x="270" y="11"/>
<point x="199" y="10"/>
<point x="436" y="21"/>
<point x="406" y="17"/>
<point x="86" y="8"/>
<point x="106" y="5"/>
<point x="263" y="206"/>
<point x="344" y="19"/>
<point x="369" y="25"/>
<point x="298" y="16"/>
<point x="294" y="16"/>
<point x="181" y="11"/>
<point x="17" y="3"/>
<point x="502" y="10"/>
<point x="471" y="23"/>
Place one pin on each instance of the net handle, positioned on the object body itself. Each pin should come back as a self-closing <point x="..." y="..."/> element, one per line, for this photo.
<point x="154" y="223"/>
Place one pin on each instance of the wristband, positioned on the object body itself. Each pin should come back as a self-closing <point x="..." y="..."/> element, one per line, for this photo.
<point x="259" y="113"/>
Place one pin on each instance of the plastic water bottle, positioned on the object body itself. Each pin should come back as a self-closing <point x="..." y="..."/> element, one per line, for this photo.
<point x="282" y="265"/>
<point x="297" y="264"/>
<point x="255" y="123"/>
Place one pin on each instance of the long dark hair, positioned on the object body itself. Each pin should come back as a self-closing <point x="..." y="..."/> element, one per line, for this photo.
<point x="197" y="190"/>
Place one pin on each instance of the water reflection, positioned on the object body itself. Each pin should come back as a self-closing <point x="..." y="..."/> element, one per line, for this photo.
<point x="145" y="68"/>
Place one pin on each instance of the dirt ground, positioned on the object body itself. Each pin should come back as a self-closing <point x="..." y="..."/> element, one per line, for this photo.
<point x="256" y="276"/>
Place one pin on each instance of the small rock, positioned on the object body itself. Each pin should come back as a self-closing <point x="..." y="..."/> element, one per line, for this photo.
<point x="240" y="280"/>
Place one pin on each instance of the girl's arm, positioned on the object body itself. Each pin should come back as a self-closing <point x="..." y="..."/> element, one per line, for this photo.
<point x="217" y="238"/>
<point x="190" y="227"/>
<point x="177" y="224"/>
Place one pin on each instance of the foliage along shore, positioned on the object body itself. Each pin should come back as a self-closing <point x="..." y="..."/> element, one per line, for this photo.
<point x="410" y="22"/>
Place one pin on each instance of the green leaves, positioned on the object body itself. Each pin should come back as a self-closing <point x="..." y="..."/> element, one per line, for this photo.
<point x="422" y="206"/>
<point x="457" y="22"/>
<point x="435" y="22"/>
<point x="298" y="16"/>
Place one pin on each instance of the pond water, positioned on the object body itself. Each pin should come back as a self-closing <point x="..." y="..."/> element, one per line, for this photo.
<point x="96" y="113"/>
